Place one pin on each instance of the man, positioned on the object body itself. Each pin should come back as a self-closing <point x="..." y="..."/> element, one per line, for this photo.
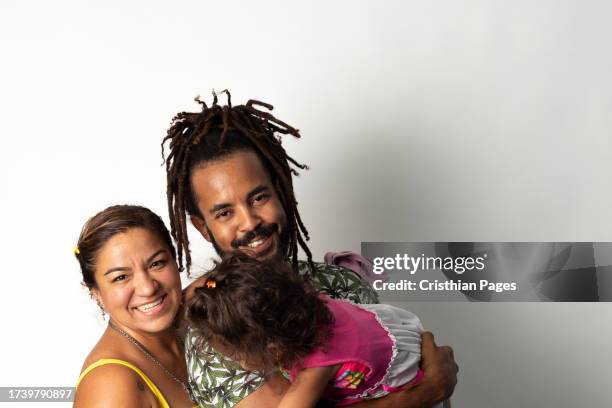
<point x="228" y="171"/>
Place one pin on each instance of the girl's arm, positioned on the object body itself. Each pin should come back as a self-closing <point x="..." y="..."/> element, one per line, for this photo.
<point x="307" y="387"/>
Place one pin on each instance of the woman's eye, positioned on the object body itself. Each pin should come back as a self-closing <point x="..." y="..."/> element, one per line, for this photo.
<point x="120" y="278"/>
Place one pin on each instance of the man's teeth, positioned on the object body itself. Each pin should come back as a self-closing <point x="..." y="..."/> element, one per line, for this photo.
<point x="149" y="306"/>
<point x="257" y="243"/>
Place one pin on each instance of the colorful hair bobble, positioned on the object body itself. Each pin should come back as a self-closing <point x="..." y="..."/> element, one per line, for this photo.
<point x="76" y="250"/>
<point x="210" y="283"/>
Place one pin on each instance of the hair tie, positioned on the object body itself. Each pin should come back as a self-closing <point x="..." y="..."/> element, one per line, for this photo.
<point x="210" y="283"/>
<point x="76" y="250"/>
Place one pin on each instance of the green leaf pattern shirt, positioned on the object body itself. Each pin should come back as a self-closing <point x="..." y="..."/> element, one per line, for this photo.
<point x="219" y="382"/>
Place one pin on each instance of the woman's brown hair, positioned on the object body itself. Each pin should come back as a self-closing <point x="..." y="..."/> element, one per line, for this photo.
<point x="106" y="224"/>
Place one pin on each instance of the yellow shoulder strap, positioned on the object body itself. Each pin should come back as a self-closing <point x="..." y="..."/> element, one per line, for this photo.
<point x="147" y="380"/>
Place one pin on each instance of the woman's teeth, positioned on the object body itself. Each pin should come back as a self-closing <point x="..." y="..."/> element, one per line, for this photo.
<point x="149" y="306"/>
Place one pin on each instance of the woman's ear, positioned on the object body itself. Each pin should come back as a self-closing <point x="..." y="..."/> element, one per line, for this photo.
<point x="95" y="295"/>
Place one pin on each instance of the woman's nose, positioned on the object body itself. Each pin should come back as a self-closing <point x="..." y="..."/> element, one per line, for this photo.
<point x="144" y="284"/>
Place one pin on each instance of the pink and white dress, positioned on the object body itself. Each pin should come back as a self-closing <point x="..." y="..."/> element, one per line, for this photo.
<point x="377" y="346"/>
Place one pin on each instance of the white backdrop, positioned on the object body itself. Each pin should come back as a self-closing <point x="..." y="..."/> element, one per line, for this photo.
<point x="422" y="121"/>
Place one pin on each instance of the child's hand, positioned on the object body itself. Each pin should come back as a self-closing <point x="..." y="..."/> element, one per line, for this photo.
<point x="189" y="291"/>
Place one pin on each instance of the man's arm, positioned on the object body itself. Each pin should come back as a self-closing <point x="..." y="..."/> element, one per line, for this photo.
<point x="438" y="383"/>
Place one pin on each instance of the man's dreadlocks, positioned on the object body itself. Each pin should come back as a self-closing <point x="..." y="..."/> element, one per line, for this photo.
<point x="216" y="131"/>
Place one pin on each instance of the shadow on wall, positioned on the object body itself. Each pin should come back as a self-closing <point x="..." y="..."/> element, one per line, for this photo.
<point x="379" y="190"/>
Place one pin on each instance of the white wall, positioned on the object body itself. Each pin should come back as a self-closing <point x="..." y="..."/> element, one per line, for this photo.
<point x="422" y="121"/>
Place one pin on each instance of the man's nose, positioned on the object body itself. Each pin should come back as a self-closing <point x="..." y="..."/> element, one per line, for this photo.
<point x="249" y="220"/>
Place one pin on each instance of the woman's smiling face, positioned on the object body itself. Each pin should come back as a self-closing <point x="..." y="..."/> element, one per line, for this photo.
<point x="138" y="282"/>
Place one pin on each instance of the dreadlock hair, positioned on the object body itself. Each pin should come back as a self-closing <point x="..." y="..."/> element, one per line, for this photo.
<point x="215" y="132"/>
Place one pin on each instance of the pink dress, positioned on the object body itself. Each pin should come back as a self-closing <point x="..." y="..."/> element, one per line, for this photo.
<point x="377" y="346"/>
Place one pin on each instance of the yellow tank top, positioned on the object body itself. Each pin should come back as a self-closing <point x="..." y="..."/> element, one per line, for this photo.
<point x="160" y="397"/>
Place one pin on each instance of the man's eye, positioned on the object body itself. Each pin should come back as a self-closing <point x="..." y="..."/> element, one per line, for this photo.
<point x="160" y="263"/>
<point x="120" y="278"/>
<point x="260" y="198"/>
<point x="222" y="214"/>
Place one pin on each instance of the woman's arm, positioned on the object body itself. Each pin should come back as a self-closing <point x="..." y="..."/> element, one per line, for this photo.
<point x="112" y="386"/>
<point x="438" y="383"/>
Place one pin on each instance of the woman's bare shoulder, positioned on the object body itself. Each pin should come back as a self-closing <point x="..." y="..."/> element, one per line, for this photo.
<point x="112" y="385"/>
<point x="106" y="347"/>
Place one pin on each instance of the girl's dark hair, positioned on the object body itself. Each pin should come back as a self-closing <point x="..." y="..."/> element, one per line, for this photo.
<point x="215" y="132"/>
<point x="106" y="224"/>
<point x="248" y="305"/>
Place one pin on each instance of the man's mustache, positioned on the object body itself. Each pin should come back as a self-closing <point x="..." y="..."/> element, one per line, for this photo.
<point x="262" y="231"/>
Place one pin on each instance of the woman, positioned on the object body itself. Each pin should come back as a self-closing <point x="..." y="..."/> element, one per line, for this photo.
<point x="128" y="263"/>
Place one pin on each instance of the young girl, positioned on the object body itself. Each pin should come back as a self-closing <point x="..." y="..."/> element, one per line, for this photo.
<point x="265" y="316"/>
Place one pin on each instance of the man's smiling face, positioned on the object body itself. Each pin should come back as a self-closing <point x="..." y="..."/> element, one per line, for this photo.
<point x="240" y="208"/>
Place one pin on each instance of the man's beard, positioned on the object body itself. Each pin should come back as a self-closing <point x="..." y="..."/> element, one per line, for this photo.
<point x="262" y="231"/>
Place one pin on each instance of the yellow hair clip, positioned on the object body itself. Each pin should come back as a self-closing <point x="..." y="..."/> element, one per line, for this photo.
<point x="76" y="250"/>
